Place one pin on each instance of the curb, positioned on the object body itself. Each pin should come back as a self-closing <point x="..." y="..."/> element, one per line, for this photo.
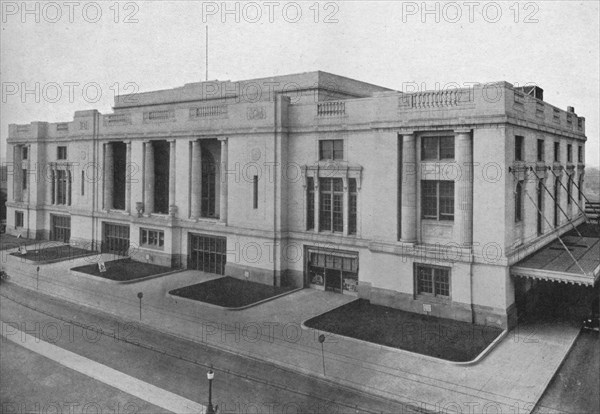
<point x="121" y="282"/>
<point x="212" y="305"/>
<point x="474" y="361"/>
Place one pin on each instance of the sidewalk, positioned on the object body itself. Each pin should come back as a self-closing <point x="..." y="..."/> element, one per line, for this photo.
<point x="509" y="379"/>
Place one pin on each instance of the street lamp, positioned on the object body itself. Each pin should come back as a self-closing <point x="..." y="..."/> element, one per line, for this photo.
<point x="210" y="375"/>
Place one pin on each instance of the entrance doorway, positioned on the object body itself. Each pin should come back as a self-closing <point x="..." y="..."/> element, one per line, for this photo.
<point x="60" y="228"/>
<point x="116" y="239"/>
<point x="207" y="254"/>
<point x="333" y="271"/>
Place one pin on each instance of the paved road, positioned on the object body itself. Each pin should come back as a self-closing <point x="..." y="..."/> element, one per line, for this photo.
<point x="241" y="385"/>
<point x="31" y="383"/>
<point x="575" y="386"/>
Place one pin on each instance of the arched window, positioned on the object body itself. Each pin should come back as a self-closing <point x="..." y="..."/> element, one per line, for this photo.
<point x="519" y="202"/>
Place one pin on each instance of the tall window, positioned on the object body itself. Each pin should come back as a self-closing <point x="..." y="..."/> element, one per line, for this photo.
<point x="579" y="153"/>
<point x="25" y="179"/>
<point x="437" y="200"/>
<point x="83" y="183"/>
<point x="580" y="188"/>
<point x="331" y="149"/>
<point x="352" y="208"/>
<point x="557" y="152"/>
<point x="569" y="153"/>
<point x="61" y="191"/>
<point x="310" y="203"/>
<point x="540" y="208"/>
<point x="61" y="153"/>
<point x="556" y="200"/>
<point x="540" y="150"/>
<point x="24" y="153"/>
<point x="432" y="280"/>
<point x="437" y="148"/>
<point x="209" y="174"/>
<point x="519" y="148"/>
<point x="331" y="216"/>
<point x="255" y="192"/>
<point x="18" y="219"/>
<point x="519" y="202"/>
<point x="569" y="189"/>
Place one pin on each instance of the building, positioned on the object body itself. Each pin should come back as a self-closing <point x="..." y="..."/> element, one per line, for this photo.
<point x="423" y="201"/>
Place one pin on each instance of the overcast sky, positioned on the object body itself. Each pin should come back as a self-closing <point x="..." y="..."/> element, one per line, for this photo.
<point x="93" y="49"/>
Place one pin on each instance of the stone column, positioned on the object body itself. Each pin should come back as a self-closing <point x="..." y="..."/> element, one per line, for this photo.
<point x="196" y="190"/>
<point x="69" y="185"/>
<point x="408" y="231"/>
<point x="224" y="181"/>
<point x="108" y="176"/>
<point x="148" y="178"/>
<point x="128" y="177"/>
<point x="172" y="178"/>
<point x="463" y="214"/>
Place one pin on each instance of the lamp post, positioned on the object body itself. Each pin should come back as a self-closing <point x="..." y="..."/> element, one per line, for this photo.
<point x="210" y="375"/>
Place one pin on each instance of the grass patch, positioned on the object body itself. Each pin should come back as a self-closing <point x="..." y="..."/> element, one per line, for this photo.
<point x="427" y="335"/>
<point x="53" y="254"/>
<point x="229" y="292"/>
<point x="8" y="241"/>
<point x="124" y="270"/>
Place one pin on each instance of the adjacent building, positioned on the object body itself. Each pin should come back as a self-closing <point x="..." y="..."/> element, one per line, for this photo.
<point x="422" y="201"/>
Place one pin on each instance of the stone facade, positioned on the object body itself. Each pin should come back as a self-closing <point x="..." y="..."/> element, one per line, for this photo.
<point x="231" y="177"/>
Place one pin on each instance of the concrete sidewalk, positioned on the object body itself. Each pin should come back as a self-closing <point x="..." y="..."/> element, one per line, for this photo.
<point x="510" y="379"/>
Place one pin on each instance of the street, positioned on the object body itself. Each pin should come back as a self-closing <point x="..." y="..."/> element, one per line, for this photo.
<point x="574" y="388"/>
<point x="241" y="385"/>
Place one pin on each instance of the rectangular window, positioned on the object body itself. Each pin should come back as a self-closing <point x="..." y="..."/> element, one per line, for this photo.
<point x="83" y="183"/>
<point x="154" y="239"/>
<point x="580" y="188"/>
<point x="569" y="153"/>
<point x="25" y="179"/>
<point x="61" y="153"/>
<point x="331" y="216"/>
<point x="331" y="149"/>
<point x="540" y="150"/>
<point x="352" y="208"/>
<point x="580" y="154"/>
<point x="310" y="203"/>
<point x="255" y="192"/>
<point x="437" y="148"/>
<point x="557" y="152"/>
<point x="432" y="281"/>
<point x="24" y="153"/>
<point x="519" y="202"/>
<point x="569" y="189"/>
<point x="519" y="148"/>
<point x="18" y="219"/>
<point x="437" y="200"/>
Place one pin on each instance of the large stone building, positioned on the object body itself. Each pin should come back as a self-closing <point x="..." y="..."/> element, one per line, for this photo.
<point x="423" y="201"/>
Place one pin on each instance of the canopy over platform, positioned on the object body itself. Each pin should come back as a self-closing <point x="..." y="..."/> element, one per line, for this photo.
<point x="552" y="262"/>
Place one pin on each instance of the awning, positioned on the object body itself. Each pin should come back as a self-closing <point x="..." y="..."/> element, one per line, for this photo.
<point x="552" y="262"/>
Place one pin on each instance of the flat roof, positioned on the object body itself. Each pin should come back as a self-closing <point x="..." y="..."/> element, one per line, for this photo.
<point x="552" y="262"/>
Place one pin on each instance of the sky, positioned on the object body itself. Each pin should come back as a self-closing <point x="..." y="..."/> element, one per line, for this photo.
<point x="59" y="57"/>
